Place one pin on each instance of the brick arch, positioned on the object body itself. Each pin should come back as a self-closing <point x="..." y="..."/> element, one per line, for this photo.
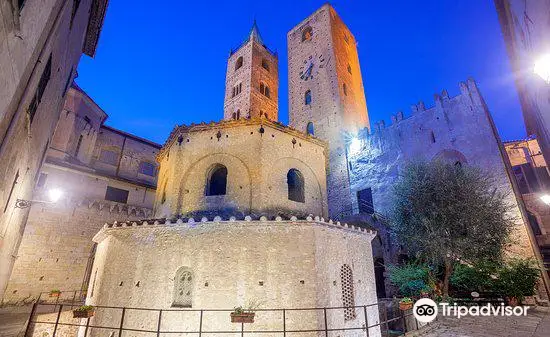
<point x="239" y="189"/>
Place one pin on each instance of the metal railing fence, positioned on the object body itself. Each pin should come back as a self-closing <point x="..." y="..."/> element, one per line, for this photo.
<point x="53" y="317"/>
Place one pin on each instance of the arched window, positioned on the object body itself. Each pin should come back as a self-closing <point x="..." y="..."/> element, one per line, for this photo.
<point x="265" y="65"/>
<point x="310" y="129"/>
<point x="183" y="288"/>
<point x="345" y="87"/>
<point x="234" y="115"/>
<point x="264" y="89"/>
<point x="239" y="63"/>
<point x="307" y="34"/>
<point x="349" y="68"/>
<point x="348" y="294"/>
<point x="295" y="182"/>
<point x="307" y="97"/>
<point x="238" y="115"/>
<point x="217" y="180"/>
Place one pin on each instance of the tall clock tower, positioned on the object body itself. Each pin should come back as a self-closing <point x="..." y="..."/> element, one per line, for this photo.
<point x="326" y="95"/>
<point x="252" y="80"/>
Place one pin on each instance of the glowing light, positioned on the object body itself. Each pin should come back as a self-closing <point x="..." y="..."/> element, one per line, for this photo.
<point x="55" y="194"/>
<point x="545" y="198"/>
<point x="542" y="68"/>
<point x="354" y="146"/>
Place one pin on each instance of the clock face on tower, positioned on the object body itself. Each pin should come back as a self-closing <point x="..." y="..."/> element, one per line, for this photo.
<point x="311" y="66"/>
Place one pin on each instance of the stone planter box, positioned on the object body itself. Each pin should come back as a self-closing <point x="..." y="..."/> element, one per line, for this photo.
<point x="247" y="317"/>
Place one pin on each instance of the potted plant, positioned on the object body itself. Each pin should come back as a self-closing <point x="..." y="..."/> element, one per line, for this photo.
<point x="55" y="293"/>
<point x="240" y="315"/>
<point x="405" y="303"/>
<point x="84" y="311"/>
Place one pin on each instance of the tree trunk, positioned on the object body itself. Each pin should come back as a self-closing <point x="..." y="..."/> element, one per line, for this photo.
<point x="447" y="277"/>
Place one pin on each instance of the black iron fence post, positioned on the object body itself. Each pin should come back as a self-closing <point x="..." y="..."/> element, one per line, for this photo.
<point x="387" y="319"/>
<point x="74" y="298"/>
<point x="242" y="329"/>
<point x="326" y="324"/>
<point x="33" y="310"/>
<point x="121" y="322"/>
<point x="366" y="320"/>
<point x="284" y="323"/>
<point x="87" y="325"/>
<point x="158" y="324"/>
<point x="200" y="324"/>
<point x="57" y="320"/>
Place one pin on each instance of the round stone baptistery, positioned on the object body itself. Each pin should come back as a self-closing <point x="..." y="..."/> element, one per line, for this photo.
<point x="239" y="167"/>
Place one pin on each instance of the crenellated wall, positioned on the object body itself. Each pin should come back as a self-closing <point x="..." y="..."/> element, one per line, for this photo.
<point x="458" y="129"/>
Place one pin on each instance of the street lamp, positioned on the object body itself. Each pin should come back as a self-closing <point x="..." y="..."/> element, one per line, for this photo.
<point x="354" y="146"/>
<point x="545" y="198"/>
<point x="542" y="68"/>
<point x="54" y="195"/>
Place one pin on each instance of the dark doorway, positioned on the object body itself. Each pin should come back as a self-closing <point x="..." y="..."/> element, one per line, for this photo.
<point x="217" y="182"/>
<point x="379" y="270"/>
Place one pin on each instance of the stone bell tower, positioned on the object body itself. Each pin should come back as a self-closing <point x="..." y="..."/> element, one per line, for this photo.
<point x="252" y="80"/>
<point x="326" y="95"/>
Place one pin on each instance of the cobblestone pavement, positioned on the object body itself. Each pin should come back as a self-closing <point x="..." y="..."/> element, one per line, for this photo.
<point x="535" y="324"/>
<point x="13" y="319"/>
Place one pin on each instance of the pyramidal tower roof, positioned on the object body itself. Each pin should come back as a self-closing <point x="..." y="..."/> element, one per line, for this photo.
<point x="255" y="34"/>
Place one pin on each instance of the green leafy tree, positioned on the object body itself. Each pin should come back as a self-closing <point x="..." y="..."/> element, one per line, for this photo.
<point x="446" y="213"/>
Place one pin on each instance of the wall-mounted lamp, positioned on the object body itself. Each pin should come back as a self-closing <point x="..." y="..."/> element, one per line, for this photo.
<point x="54" y="195"/>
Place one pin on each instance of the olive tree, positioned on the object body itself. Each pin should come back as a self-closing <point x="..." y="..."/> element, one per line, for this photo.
<point x="445" y="214"/>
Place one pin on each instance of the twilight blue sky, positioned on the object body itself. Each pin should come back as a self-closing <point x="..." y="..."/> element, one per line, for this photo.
<point x="158" y="65"/>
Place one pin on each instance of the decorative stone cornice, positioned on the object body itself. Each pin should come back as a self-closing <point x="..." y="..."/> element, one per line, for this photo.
<point x="247" y="220"/>
<point x="225" y="124"/>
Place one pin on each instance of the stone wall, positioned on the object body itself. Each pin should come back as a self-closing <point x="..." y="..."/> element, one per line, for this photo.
<point x="457" y="129"/>
<point x="335" y="111"/>
<point x="281" y="264"/>
<point x="131" y="152"/>
<point x="525" y="31"/>
<point x="80" y="117"/>
<point x="250" y="102"/>
<point x="29" y="36"/>
<point x="56" y="251"/>
<point x="257" y="154"/>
